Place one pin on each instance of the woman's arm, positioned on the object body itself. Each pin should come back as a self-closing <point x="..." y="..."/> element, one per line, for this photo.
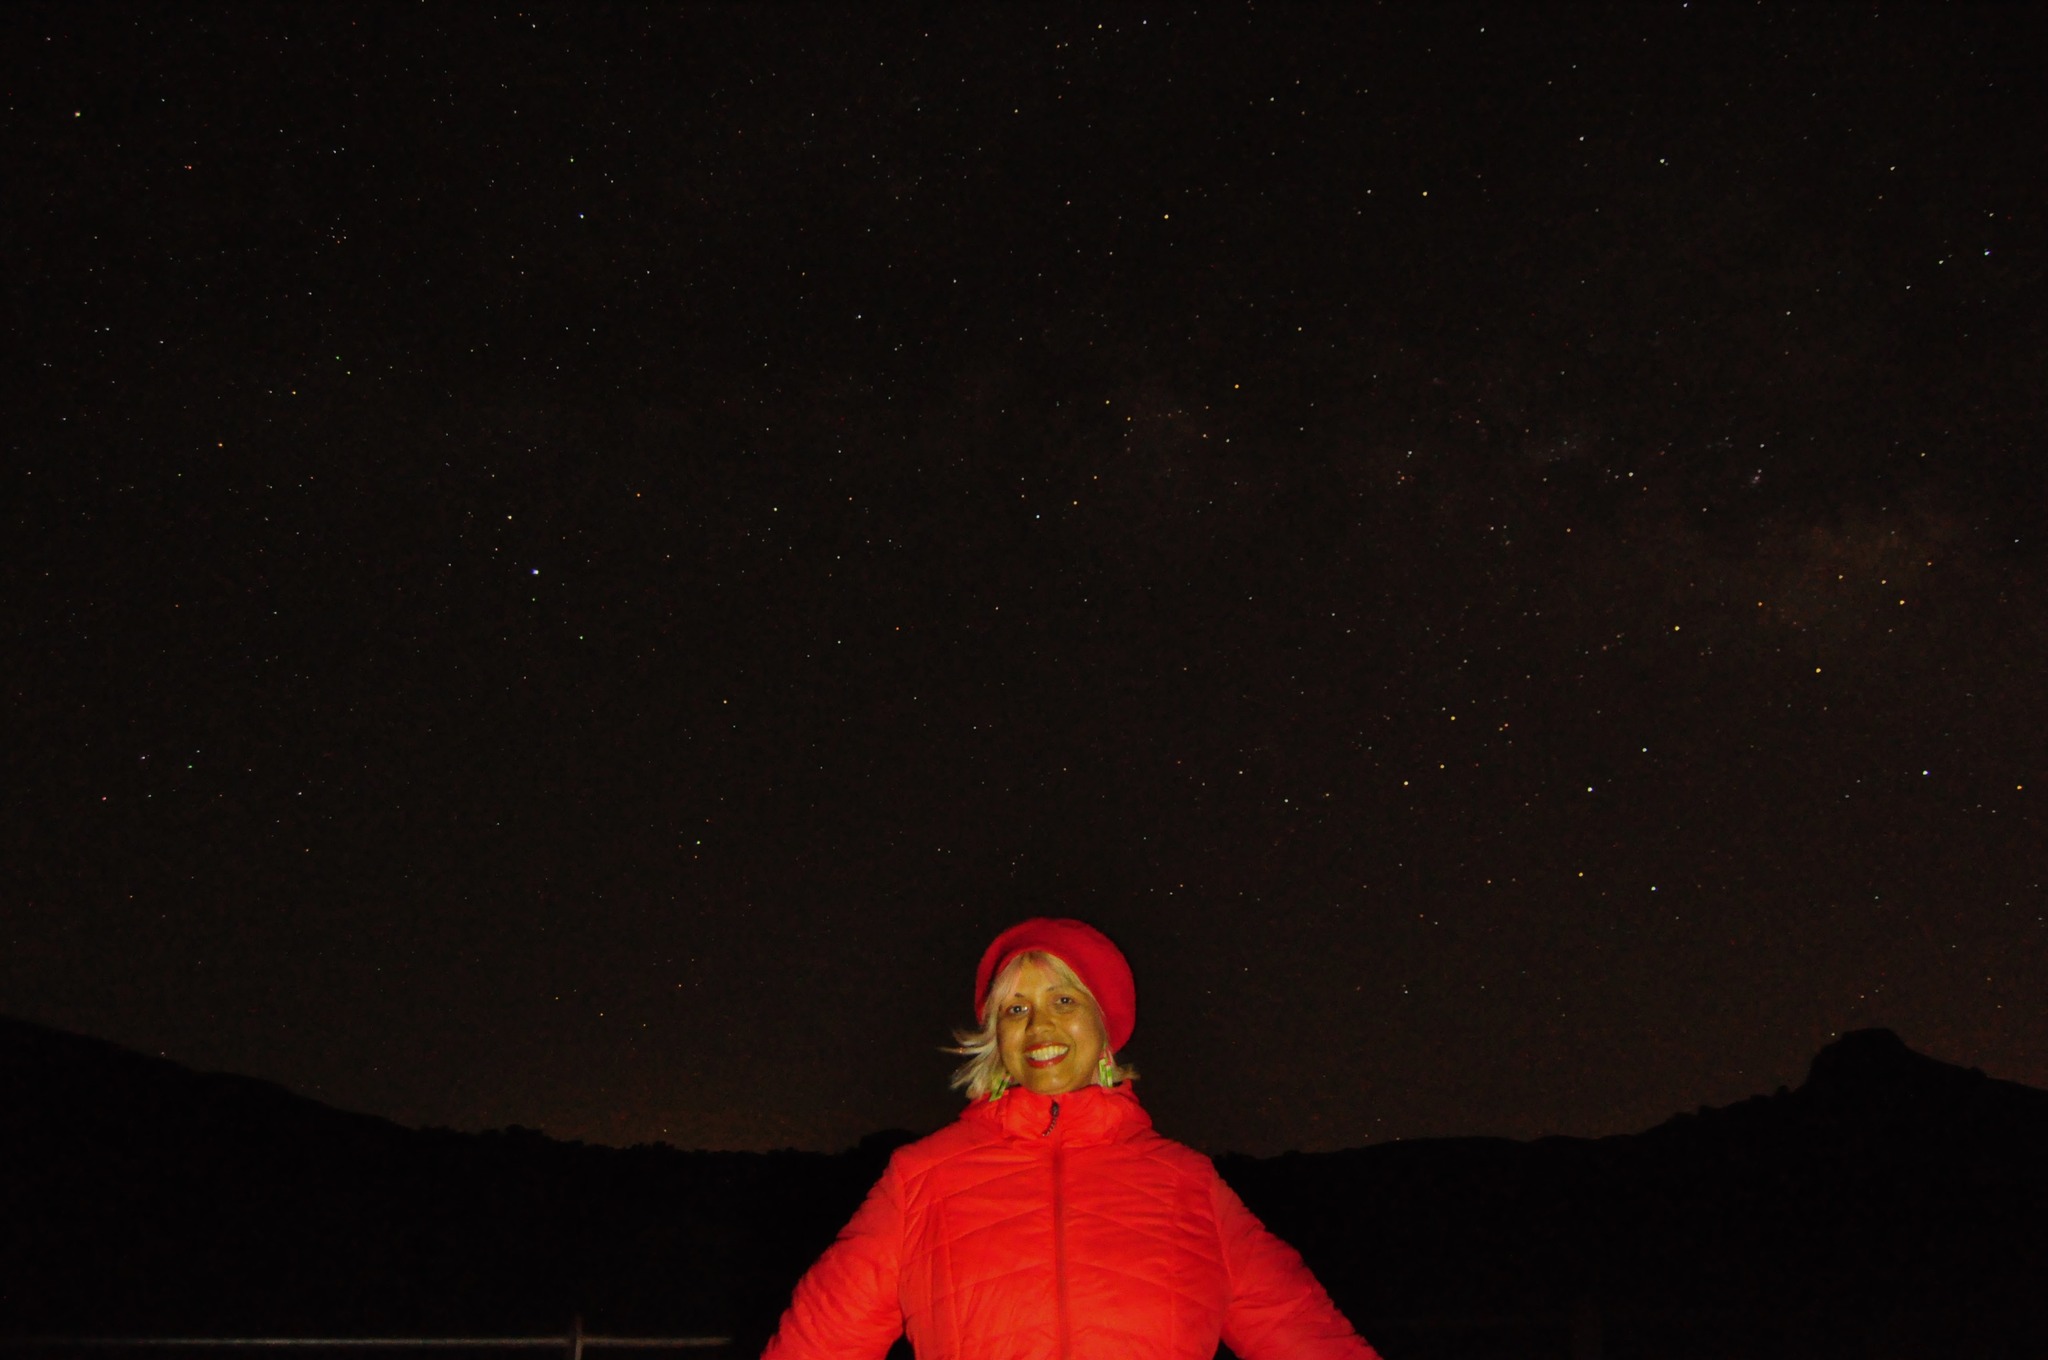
<point x="1277" y="1311"/>
<point x="846" y="1307"/>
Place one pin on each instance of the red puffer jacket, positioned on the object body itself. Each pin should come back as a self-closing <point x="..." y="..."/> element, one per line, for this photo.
<point x="1059" y="1228"/>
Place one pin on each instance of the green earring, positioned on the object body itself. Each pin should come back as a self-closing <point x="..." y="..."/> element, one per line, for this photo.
<point x="1105" y="1070"/>
<point x="997" y="1084"/>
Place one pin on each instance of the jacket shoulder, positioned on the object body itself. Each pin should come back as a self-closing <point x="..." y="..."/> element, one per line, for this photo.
<point x="1176" y="1159"/>
<point x="913" y="1161"/>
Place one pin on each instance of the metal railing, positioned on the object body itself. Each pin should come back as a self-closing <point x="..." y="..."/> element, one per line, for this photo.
<point x="573" y="1344"/>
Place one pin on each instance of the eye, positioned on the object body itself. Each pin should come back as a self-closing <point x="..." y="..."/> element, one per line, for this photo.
<point x="1067" y="1000"/>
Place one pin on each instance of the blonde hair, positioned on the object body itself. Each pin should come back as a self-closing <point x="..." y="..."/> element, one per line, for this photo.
<point x="983" y="1074"/>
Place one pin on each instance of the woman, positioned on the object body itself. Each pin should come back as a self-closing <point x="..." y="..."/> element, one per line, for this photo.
<point x="1050" y="1222"/>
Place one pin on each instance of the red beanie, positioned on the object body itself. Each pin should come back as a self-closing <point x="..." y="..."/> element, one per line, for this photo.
<point x="1099" y="964"/>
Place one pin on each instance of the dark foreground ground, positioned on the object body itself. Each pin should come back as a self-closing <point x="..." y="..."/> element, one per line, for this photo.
<point x="1892" y="1206"/>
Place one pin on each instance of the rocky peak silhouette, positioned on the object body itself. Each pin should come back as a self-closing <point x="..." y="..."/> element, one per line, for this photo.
<point x="1871" y="1084"/>
<point x="1879" y="1060"/>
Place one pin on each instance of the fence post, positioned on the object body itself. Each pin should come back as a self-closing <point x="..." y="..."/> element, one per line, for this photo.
<point x="576" y="1338"/>
<point x="1586" y="1328"/>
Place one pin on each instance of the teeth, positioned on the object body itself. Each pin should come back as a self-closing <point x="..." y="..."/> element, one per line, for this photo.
<point x="1048" y="1053"/>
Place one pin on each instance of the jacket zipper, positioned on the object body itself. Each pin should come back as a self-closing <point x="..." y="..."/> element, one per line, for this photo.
<point x="1059" y="1233"/>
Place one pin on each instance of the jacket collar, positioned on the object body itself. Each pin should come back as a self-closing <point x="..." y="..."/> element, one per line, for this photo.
<point x="1093" y="1114"/>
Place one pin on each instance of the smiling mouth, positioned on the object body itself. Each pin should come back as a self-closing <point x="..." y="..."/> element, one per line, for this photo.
<point x="1046" y="1055"/>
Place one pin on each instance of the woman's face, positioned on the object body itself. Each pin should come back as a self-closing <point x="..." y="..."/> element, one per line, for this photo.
<point x="1048" y="1033"/>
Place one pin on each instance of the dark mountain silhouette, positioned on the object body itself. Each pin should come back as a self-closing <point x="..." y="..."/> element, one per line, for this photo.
<point x="141" y="1197"/>
<point x="1893" y="1205"/>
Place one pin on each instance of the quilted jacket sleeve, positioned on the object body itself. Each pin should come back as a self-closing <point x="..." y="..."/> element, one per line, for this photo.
<point x="1277" y="1311"/>
<point x="845" y="1307"/>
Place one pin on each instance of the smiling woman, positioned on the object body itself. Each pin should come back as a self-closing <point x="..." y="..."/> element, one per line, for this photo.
<point x="1050" y="1222"/>
<point x="1042" y="1028"/>
<point x="1048" y="1030"/>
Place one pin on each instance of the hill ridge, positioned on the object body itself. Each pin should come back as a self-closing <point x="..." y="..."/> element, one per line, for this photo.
<point x="1890" y="1191"/>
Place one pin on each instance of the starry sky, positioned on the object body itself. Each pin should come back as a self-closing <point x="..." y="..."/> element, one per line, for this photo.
<point x="571" y="567"/>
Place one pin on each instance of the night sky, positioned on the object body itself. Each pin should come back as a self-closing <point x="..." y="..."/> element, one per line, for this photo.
<point x="572" y="568"/>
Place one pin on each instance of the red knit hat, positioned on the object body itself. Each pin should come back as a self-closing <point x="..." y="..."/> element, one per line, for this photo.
<point x="1099" y="964"/>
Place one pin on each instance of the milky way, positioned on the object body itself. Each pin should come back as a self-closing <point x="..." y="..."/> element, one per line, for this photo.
<point x="573" y="571"/>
